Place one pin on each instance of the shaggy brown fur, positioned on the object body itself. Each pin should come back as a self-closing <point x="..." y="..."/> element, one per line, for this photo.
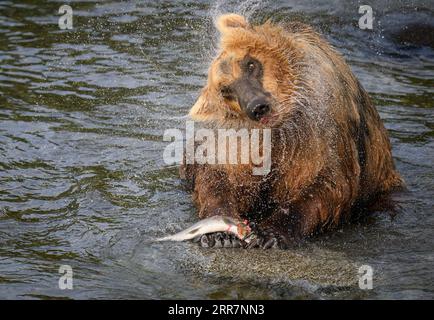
<point x="330" y="150"/>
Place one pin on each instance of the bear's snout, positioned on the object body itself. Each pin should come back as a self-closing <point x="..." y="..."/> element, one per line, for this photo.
<point x="258" y="108"/>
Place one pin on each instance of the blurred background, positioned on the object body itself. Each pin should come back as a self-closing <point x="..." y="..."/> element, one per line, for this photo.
<point x="82" y="181"/>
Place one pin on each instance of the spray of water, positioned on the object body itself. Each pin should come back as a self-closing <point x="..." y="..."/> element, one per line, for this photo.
<point x="247" y="9"/>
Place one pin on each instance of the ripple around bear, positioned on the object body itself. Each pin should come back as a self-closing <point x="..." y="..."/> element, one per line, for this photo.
<point x="330" y="151"/>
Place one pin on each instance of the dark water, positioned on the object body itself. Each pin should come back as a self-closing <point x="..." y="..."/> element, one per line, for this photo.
<point x="82" y="181"/>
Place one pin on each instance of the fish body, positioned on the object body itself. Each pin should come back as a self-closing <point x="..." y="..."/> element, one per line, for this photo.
<point x="210" y="225"/>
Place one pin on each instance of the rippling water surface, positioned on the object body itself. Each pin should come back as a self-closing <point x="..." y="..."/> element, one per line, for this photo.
<point x="82" y="181"/>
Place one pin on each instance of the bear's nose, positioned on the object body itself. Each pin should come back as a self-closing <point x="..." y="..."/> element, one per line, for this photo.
<point x="257" y="108"/>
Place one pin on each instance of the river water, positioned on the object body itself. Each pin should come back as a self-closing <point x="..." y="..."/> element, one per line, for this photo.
<point x="83" y="183"/>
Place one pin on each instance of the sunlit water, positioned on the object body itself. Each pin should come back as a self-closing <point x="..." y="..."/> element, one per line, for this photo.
<point x="82" y="181"/>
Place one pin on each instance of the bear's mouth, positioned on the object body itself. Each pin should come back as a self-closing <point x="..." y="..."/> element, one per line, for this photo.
<point x="265" y="120"/>
<point x="269" y="120"/>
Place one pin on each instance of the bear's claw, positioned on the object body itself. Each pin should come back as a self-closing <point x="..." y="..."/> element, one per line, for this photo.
<point x="219" y="240"/>
<point x="267" y="238"/>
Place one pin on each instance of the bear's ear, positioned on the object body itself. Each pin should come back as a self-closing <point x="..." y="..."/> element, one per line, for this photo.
<point x="201" y="110"/>
<point x="229" y="21"/>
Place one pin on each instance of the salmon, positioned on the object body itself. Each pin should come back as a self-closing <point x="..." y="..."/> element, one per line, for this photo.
<point x="213" y="224"/>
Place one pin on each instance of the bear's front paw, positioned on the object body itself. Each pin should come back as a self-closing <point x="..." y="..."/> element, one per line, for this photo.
<point x="219" y="240"/>
<point x="267" y="238"/>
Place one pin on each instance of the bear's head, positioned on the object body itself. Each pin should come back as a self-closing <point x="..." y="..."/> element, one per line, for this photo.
<point x="253" y="75"/>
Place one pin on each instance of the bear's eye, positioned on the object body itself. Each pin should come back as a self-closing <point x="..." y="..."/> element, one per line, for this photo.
<point x="251" y="67"/>
<point x="226" y="92"/>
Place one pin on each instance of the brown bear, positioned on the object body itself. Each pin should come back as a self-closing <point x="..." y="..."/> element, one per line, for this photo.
<point x="330" y="150"/>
